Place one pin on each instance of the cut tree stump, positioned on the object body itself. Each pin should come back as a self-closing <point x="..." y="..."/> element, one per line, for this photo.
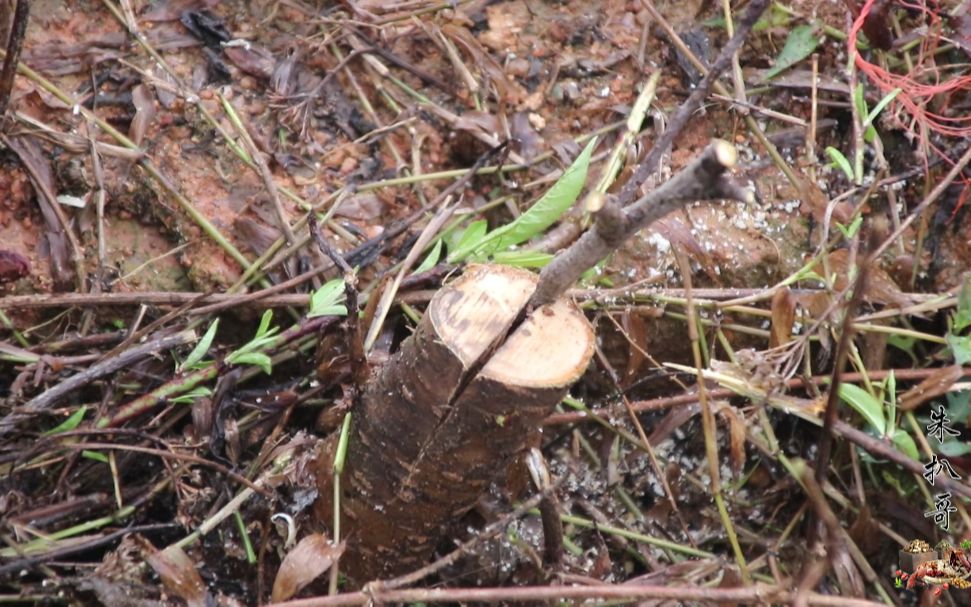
<point x="442" y="418"/>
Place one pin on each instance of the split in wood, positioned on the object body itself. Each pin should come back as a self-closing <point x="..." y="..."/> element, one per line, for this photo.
<point x="429" y="439"/>
<point x="495" y="352"/>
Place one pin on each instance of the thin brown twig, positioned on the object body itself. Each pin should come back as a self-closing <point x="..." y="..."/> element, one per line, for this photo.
<point x="357" y="353"/>
<point x="709" y="428"/>
<point x="677" y="122"/>
<point x="27" y="562"/>
<point x="760" y="594"/>
<point x="48" y="398"/>
<point x="15" y="42"/>
<point x="186" y="457"/>
<point x="667" y="402"/>
<point x="842" y="353"/>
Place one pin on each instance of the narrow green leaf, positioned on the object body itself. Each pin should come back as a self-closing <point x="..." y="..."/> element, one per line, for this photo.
<point x="890" y="387"/>
<point x="850" y="231"/>
<point x="191" y="396"/>
<point x="859" y="100"/>
<point x="905" y="444"/>
<point x="326" y="300"/>
<point x="69" y="424"/>
<point x="863" y="403"/>
<point x="550" y="207"/>
<point x="954" y="448"/>
<point x="840" y="161"/>
<point x="253" y="358"/>
<point x="342" y="441"/>
<point x="201" y="348"/>
<point x="431" y="259"/>
<point x="247" y="544"/>
<point x="801" y="43"/>
<point x="871" y="117"/>
<point x="960" y="347"/>
<point x="522" y="259"/>
<point x="962" y="319"/>
<point x="264" y="323"/>
<point x="545" y="211"/>
<point x="469" y="241"/>
<point x="95" y="455"/>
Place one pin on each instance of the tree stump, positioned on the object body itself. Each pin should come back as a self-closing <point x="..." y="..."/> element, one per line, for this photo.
<point x="441" y="419"/>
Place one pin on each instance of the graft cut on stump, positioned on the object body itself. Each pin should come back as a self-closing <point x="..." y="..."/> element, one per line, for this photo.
<point x="443" y="417"/>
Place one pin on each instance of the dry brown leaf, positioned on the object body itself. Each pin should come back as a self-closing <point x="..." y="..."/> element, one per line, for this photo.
<point x="681" y="238"/>
<point x="485" y="63"/>
<point x="478" y="122"/>
<point x="936" y="384"/>
<point x="528" y="143"/>
<point x="865" y="531"/>
<point x="144" y="102"/>
<point x="312" y="556"/>
<point x="736" y="436"/>
<point x="171" y="10"/>
<point x="179" y="575"/>
<point x="783" y="316"/>
<point x="636" y="330"/>
<point x="41" y="174"/>
<point x="253" y="59"/>
<point x="13" y="266"/>
<point x="881" y="287"/>
<point x="815" y="203"/>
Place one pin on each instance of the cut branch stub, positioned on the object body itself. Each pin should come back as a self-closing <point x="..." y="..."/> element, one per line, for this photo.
<point x="443" y="417"/>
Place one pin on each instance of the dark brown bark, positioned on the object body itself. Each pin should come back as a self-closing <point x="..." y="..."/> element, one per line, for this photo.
<point x="427" y="440"/>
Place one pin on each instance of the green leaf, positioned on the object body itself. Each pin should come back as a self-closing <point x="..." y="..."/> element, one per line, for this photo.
<point x="960" y="347"/>
<point x="854" y="227"/>
<point x="96" y="456"/>
<point x="958" y="404"/>
<point x="903" y="342"/>
<point x="469" y="241"/>
<point x="865" y="404"/>
<point x="201" y="348"/>
<point x="890" y="389"/>
<point x="871" y="117"/>
<point x="840" y="161"/>
<point x="550" y="207"/>
<point x="254" y="358"/>
<point x="905" y="444"/>
<point x="801" y="43"/>
<point x="69" y="424"/>
<point x="326" y="300"/>
<point x="962" y="319"/>
<point x="859" y="100"/>
<point x="523" y="259"/>
<point x="264" y="324"/>
<point x="431" y="259"/>
<point x="544" y="212"/>
<point x="191" y="396"/>
<point x="775" y="16"/>
<point x="955" y="448"/>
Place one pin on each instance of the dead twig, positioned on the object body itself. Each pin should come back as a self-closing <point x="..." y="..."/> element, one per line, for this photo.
<point x="842" y="353"/>
<point x="702" y="179"/>
<point x="357" y="353"/>
<point x="15" y="43"/>
<point x="52" y="395"/>
<point x="681" y="117"/>
<point x="758" y="594"/>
